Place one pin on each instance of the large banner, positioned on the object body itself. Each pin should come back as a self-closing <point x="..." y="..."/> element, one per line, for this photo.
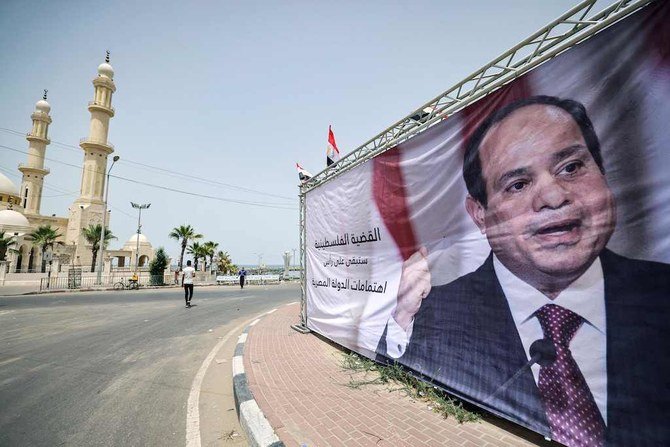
<point x="516" y="254"/>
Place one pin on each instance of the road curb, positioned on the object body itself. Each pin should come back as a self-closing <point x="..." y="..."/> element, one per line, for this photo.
<point x="258" y="429"/>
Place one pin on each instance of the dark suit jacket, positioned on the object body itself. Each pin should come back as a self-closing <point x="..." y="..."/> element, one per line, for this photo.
<point x="465" y="339"/>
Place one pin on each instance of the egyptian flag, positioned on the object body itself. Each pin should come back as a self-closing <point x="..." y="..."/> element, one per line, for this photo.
<point x="332" y="153"/>
<point x="302" y="174"/>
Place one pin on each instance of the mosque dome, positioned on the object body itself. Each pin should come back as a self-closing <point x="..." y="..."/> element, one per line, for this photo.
<point x="106" y="70"/>
<point x="132" y="242"/>
<point x="7" y="186"/>
<point x="14" y="222"/>
<point x="42" y="106"/>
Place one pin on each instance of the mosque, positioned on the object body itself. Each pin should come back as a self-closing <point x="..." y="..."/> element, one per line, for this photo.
<point x="20" y="207"/>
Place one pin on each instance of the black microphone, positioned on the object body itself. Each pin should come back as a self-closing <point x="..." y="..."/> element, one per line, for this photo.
<point x="542" y="352"/>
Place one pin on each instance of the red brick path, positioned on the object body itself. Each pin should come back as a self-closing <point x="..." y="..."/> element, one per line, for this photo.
<point x="299" y="384"/>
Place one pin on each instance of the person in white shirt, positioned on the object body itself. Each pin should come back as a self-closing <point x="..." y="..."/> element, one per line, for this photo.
<point x="187" y="276"/>
<point x="538" y="192"/>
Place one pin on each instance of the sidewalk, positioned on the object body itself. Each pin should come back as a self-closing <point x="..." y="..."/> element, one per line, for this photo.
<point x="10" y="290"/>
<point x="298" y="383"/>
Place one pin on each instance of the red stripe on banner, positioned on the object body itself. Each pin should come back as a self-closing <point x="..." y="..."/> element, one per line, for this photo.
<point x="475" y="113"/>
<point x="388" y="188"/>
<point x="389" y="184"/>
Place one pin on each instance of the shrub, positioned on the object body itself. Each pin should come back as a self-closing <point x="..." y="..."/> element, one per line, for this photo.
<point x="157" y="267"/>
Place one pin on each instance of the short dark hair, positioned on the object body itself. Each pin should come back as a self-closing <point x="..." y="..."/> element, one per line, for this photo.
<point x="472" y="165"/>
<point x="188" y="262"/>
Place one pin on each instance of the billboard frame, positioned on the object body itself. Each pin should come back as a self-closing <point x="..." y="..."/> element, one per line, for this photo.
<point x="570" y="29"/>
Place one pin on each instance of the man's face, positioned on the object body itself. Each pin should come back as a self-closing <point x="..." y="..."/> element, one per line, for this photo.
<point x="550" y="212"/>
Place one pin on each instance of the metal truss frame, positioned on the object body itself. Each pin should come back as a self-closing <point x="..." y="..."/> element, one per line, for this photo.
<point x="568" y="30"/>
<point x="302" y="326"/>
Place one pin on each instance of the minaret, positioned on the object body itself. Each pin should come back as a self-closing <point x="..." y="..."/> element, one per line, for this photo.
<point x="89" y="207"/>
<point x="34" y="171"/>
<point x="95" y="146"/>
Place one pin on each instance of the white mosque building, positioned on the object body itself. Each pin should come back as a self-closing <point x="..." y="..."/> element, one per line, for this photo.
<point x="20" y="207"/>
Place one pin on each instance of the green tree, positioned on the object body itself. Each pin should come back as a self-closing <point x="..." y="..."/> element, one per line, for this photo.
<point x="183" y="233"/>
<point x="157" y="267"/>
<point x="44" y="237"/>
<point x="92" y="236"/>
<point x="6" y="243"/>
<point x="210" y="249"/>
<point x="225" y="264"/>
<point x="198" y="251"/>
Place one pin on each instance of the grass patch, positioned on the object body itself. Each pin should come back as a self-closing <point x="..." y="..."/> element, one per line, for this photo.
<point x="396" y="377"/>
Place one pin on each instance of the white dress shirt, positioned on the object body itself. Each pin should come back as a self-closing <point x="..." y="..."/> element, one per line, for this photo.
<point x="585" y="297"/>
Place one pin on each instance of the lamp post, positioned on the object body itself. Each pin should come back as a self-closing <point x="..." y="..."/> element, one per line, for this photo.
<point x="101" y="248"/>
<point x="260" y="261"/>
<point x="139" y="230"/>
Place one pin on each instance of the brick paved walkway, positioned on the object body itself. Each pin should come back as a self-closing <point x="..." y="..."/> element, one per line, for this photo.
<point x="299" y="384"/>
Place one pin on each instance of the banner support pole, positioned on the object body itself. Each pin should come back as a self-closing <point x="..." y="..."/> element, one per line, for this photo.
<point x="302" y="326"/>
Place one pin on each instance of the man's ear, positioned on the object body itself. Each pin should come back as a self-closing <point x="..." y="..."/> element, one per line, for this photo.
<point x="476" y="211"/>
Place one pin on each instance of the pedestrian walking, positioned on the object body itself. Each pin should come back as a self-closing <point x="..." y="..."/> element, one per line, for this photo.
<point x="187" y="276"/>
<point x="243" y="274"/>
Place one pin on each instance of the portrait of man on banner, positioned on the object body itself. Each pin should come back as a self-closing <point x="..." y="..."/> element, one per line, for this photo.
<point x="554" y="330"/>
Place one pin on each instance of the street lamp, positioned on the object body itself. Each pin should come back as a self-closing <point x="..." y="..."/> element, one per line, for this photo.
<point x="139" y="230"/>
<point x="260" y="261"/>
<point x="101" y="248"/>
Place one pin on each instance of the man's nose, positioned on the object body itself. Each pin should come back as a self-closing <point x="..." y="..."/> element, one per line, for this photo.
<point x="550" y="193"/>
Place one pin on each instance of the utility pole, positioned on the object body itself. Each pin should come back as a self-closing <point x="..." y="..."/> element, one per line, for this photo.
<point x="139" y="231"/>
<point x="101" y="248"/>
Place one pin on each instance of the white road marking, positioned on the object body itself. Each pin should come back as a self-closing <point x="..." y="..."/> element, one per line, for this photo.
<point x="273" y="310"/>
<point x="253" y="323"/>
<point x="10" y="360"/>
<point x="192" y="410"/>
<point x="242" y="338"/>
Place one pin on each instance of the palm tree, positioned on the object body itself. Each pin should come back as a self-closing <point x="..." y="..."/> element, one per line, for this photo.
<point x="198" y="251"/>
<point x="6" y="244"/>
<point x="92" y="236"/>
<point x="44" y="237"/>
<point x="225" y="264"/>
<point x="210" y="249"/>
<point x="183" y="233"/>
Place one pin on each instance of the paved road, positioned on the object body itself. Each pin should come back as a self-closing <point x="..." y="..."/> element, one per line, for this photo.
<point x="116" y="368"/>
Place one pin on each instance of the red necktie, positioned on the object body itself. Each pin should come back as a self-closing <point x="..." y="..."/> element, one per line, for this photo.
<point x="572" y="412"/>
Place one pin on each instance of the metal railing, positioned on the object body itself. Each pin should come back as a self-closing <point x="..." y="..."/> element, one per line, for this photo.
<point x="101" y="105"/>
<point x="96" y="142"/>
<point x="44" y="168"/>
<point x="30" y="135"/>
<point x="117" y="282"/>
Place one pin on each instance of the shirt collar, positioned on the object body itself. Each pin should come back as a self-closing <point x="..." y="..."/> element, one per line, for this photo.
<point x="585" y="296"/>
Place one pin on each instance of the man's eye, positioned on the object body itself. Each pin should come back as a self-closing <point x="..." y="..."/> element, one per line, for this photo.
<point x="573" y="167"/>
<point x="516" y="186"/>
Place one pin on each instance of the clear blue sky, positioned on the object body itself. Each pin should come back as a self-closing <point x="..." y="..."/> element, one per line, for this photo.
<point x="234" y="92"/>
